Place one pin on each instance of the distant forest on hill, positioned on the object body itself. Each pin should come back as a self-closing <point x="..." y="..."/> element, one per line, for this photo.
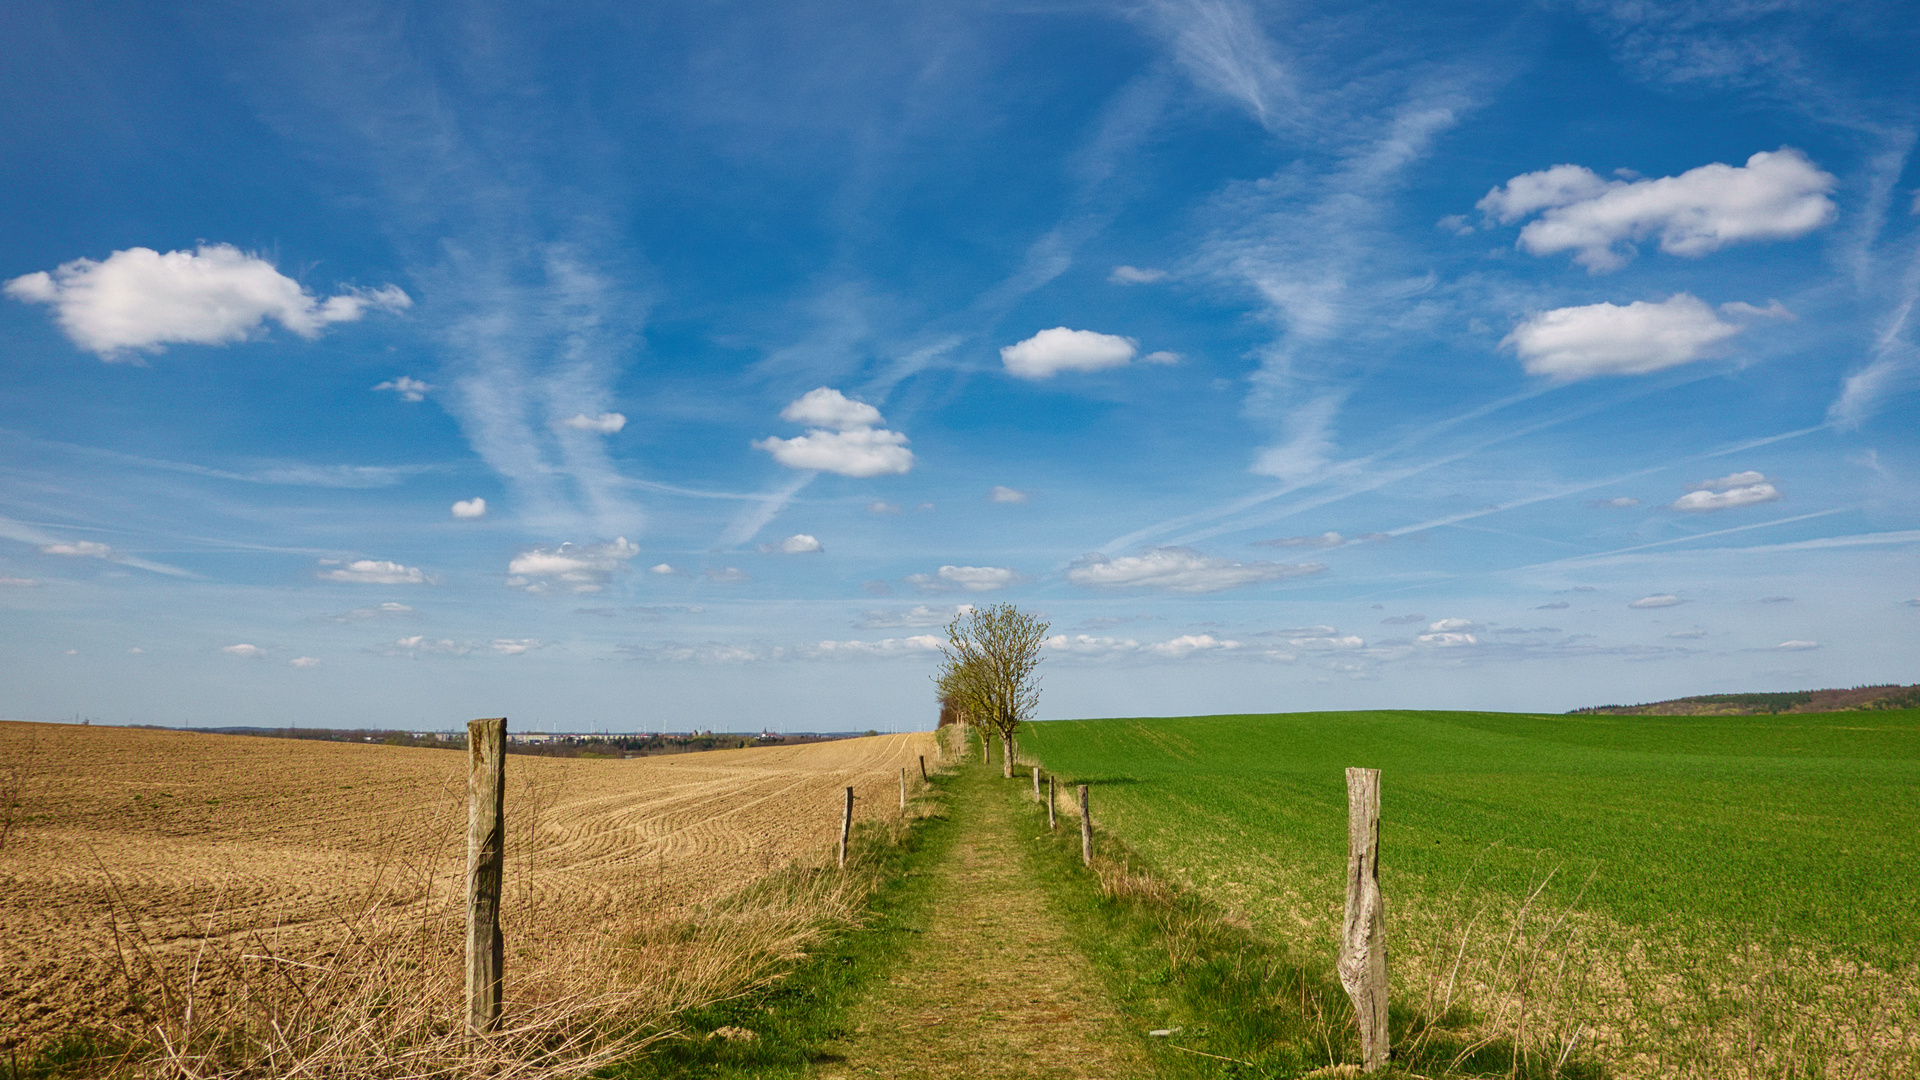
<point x="1888" y="696"/>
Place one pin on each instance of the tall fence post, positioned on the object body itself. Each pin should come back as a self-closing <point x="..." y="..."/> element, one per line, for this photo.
<point x="486" y="854"/>
<point x="923" y="768"/>
<point x="1036" y="781"/>
<point x="1363" y="938"/>
<point x="1086" y="830"/>
<point x="846" y="827"/>
<point x="903" y="789"/>
<point x="1051" y="823"/>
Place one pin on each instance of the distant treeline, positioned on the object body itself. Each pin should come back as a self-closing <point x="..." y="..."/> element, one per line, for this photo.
<point x="564" y="746"/>
<point x="1886" y="696"/>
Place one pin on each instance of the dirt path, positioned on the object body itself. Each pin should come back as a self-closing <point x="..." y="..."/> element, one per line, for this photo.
<point x="992" y="988"/>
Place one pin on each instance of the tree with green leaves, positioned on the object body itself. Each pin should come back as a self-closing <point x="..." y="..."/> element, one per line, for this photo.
<point x="988" y="674"/>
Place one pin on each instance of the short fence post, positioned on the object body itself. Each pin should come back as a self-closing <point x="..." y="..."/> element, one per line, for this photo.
<point x="1086" y="830"/>
<point x="846" y="827"/>
<point x="1363" y="938"/>
<point x="923" y="768"/>
<point x="486" y="852"/>
<point x="903" y="789"/>
<point x="1051" y="823"/>
<point x="1036" y="781"/>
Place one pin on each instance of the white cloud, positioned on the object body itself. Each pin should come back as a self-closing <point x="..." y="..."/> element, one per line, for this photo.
<point x="86" y="549"/>
<point x="579" y="568"/>
<point x="1445" y="626"/>
<point x="1162" y="356"/>
<point x="605" y="423"/>
<point x="863" y="452"/>
<point x="1050" y="352"/>
<point x="661" y="568"/>
<point x="713" y="652"/>
<point x="376" y="572"/>
<point x="726" y="575"/>
<point x="880" y="506"/>
<point x="515" y="646"/>
<point x="1618" y="502"/>
<point x="1002" y="494"/>
<point x="1328" y="643"/>
<point x="1727" y="492"/>
<point x="18" y="582"/>
<point x="1606" y="339"/>
<point x="1689" y="635"/>
<point x="139" y="299"/>
<point x="844" y="437"/>
<point x="1777" y="195"/>
<point x="244" y="651"/>
<point x="797" y="544"/>
<point x="304" y="662"/>
<point x="1797" y="646"/>
<point x="1136" y="275"/>
<point x="1447" y="640"/>
<point x="418" y="645"/>
<point x="470" y="508"/>
<point x="1324" y="540"/>
<point x="965" y="579"/>
<point x="1657" y="600"/>
<point x="825" y="407"/>
<point x="408" y="387"/>
<point x="919" y="644"/>
<point x="1087" y="645"/>
<point x="1188" y="644"/>
<point x="364" y="613"/>
<point x="1179" y="569"/>
<point x="136" y="651"/>
<point x="914" y="617"/>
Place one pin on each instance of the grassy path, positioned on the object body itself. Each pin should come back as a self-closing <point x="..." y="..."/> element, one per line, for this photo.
<point x="992" y="987"/>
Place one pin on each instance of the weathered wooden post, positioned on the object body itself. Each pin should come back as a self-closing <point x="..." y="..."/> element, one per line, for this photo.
<point x="486" y="853"/>
<point x="923" y="768"/>
<point x="846" y="828"/>
<point x="1086" y="830"/>
<point x="1363" y="938"/>
<point x="1051" y="823"/>
<point x="1036" y="781"/>
<point x="903" y="789"/>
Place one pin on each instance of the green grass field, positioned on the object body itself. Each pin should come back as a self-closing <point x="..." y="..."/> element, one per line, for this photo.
<point x="1687" y="839"/>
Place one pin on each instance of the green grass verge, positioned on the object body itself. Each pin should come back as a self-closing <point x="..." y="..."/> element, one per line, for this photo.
<point x="1237" y="1004"/>
<point x="80" y="1056"/>
<point x="795" y="1019"/>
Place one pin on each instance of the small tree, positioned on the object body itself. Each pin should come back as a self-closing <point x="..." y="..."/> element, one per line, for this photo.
<point x="989" y="674"/>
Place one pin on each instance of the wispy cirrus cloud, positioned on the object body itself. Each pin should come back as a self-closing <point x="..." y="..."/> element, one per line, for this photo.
<point x="1180" y="570"/>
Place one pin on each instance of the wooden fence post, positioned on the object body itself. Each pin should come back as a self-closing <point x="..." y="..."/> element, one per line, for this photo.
<point x="1363" y="938"/>
<point x="1086" y="830"/>
<point x="486" y="852"/>
<point x="903" y="789"/>
<point x="846" y="828"/>
<point x="923" y="768"/>
<point x="1051" y="823"/>
<point x="1036" y="781"/>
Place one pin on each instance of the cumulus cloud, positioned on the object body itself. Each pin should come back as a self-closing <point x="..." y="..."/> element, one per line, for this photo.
<point x="1657" y="600"/>
<point x="1163" y="357"/>
<point x="1324" y="540"/>
<point x="1051" y="352"/>
<point x="1444" y="626"/>
<point x="1136" y="275"/>
<point x="605" y="423"/>
<point x="470" y="508"/>
<point x="1002" y="494"/>
<point x="917" y="645"/>
<point x="844" y="437"/>
<point x="244" y="651"/>
<point x="141" y="300"/>
<point x="1447" y="639"/>
<point x="916" y="617"/>
<point x="797" y="544"/>
<point x="1179" y="569"/>
<point x="725" y="575"/>
<point x="661" y="568"/>
<point x="966" y="579"/>
<point x="304" y="662"/>
<point x="1327" y="642"/>
<point x="1776" y="195"/>
<point x="84" y="549"/>
<point x="881" y="506"/>
<point x="1606" y="339"/>
<point x="374" y="572"/>
<point x="1797" y="646"/>
<point x="1187" y="645"/>
<point x="418" y="645"/>
<point x="579" y="568"/>
<point x="408" y="387"/>
<point x="825" y="407"/>
<point x="1727" y="492"/>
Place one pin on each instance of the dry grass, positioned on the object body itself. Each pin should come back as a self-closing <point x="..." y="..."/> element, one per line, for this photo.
<point x="273" y="938"/>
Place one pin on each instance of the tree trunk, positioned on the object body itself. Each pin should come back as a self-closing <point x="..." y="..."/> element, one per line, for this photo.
<point x="1006" y="754"/>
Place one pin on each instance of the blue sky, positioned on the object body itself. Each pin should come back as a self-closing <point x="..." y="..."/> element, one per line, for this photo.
<point x="687" y="365"/>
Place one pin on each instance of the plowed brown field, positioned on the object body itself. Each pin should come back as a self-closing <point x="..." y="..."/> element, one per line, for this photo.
<point x="139" y="846"/>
